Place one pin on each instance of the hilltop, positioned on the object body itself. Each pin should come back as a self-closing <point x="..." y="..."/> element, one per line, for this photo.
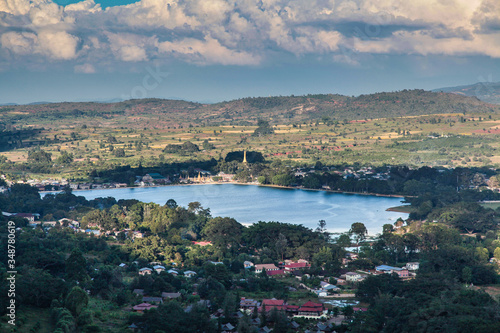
<point x="485" y="91"/>
<point x="155" y="113"/>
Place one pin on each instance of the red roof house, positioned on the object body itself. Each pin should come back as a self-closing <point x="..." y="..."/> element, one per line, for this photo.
<point x="143" y="307"/>
<point x="311" y="309"/>
<point x="296" y="265"/>
<point x="270" y="304"/>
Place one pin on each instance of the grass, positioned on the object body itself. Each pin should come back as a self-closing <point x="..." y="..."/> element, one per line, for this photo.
<point x="27" y="319"/>
<point x="108" y="316"/>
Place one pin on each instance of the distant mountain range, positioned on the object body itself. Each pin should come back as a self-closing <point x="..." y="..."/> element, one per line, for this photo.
<point x="246" y="111"/>
<point x="486" y="91"/>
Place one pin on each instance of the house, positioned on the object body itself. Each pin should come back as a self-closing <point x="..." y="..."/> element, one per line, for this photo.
<point x="265" y="329"/>
<point x="225" y="177"/>
<point x="403" y="273"/>
<point x="267" y="267"/>
<point x="387" y="269"/>
<point x="155" y="178"/>
<point x="255" y="321"/>
<point x="327" y="287"/>
<point x="279" y="272"/>
<point x="352" y="276"/>
<point x="189" y="274"/>
<point x="201" y="303"/>
<point x="173" y="272"/>
<point x="145" y="270"/>
<point x="133" y="327"/>
<point x="166" y="295"/>
<point x="148" y="299"/>
<point x="292" y="309"/>
<point x="202" y="243"/>
<point x="325" y="327"/>
<point x="296" y="266"/>
<point x="27" y="216"/>
<point x="227" y="327"/>
<point x="412" y="266"/>
<point x="274" y="303"/>
<point x="122" y="265"/>
<point x="137" y="234"/>
<point x="138" y="292"/>
<point x="310" y="309"/>
<point x="248" y="304"/>
<point x="68" y="222"/>
<point x="159" y="268"/>
<point x="248" y="264"/>
<point x="143" y="307"/>
<point x="216" y="262"/>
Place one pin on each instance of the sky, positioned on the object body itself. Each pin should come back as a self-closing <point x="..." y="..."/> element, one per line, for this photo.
<point x="216" y="50"/>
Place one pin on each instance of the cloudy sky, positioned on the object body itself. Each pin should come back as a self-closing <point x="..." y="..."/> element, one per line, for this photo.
<point x="214" y="50"/>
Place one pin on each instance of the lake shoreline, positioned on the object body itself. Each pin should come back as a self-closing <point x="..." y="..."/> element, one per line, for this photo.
<point x="251" y="204"/>
<point x="246" y="184"/>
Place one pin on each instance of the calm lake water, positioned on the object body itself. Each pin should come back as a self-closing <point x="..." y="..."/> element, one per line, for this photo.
<point x="250" y="204"/>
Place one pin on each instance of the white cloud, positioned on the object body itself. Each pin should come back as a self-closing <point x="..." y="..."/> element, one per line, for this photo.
<point x="15" y="7"/>
<point x="209" y="51"/>
<point x="18" y="42"/>
<point x="45" y="14"/>
<point x="132" y="53"/>
<point x="57" y="44"/>
<point x="130" y="47"/>
<point x="83" y="6"/>
<point x="247" y="32"/>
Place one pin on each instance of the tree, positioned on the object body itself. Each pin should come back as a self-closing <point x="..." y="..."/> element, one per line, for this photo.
<point x="281" y="244"/>
<point x="348" y="311"/>
<point x="213" y="290"/>
<point x="65" y="158"/>
<point x="263" y="128"/>
<point x="171" y="203"/>
<point x="387" y="228"/>
<point x="467" y="274"/>
<point x="38" y="287"/>
<point x="344" y="240"/>
<point x="39" y="156"/>
<point x="207" y="145"/>
<point x="496" y="253"/>
<point x="102" y="218"/>
<point x="76" y="300"/>
<point x="359" y="231"/>
<point x="76" y="266"/>
<point x="119" y="152"/>
<point x="321" y="226"/>
<point x="245" y="325"/>
<point x="224" y="232"/>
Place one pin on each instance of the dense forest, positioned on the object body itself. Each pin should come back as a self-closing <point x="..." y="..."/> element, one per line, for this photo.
<point x="71" y="281"/>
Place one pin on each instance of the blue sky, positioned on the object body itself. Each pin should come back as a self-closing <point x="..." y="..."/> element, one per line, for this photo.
<point x="214" y="50"/>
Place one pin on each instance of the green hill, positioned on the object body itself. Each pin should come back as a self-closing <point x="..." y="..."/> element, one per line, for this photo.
<point x="246" y="111"/>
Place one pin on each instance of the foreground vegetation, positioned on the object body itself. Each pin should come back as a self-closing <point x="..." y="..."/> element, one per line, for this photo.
<point x="454" y="238"/>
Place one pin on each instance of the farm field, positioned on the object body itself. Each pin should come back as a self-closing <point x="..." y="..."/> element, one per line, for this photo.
<point x="448" y="139"/>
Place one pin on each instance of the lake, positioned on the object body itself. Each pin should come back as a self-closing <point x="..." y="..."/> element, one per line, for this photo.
<point x="251" y="203"/>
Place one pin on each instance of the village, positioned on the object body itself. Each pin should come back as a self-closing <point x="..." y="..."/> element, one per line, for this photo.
<point x="329" y="305"/>
<point x="200" y="176"/>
